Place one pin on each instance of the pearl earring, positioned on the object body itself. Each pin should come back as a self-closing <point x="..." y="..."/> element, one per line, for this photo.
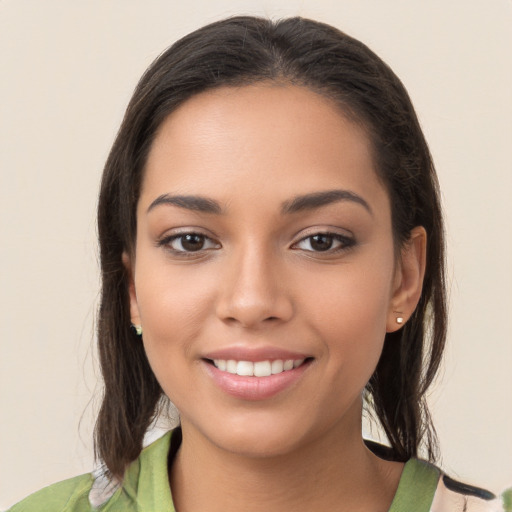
<point x="137" y="329"/>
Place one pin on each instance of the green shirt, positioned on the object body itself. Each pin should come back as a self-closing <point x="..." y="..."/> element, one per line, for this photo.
<point x="146" y="488"/>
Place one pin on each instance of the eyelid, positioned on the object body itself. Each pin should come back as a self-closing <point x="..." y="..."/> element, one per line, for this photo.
<point x="178" y="231"/>
<point x="347" y="241"/>
<point x="343" y="241"/>
<point x="169" y="237"/>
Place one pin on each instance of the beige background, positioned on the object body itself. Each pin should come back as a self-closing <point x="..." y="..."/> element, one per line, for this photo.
<point x="67" y="71"/>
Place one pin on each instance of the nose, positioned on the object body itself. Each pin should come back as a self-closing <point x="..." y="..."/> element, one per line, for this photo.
<point x="253" y="291"/>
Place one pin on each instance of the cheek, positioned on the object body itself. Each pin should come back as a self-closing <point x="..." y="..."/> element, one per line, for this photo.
<point x="173" y="314"/>
<point x="357" y="298"/>
<point x="173" y="307"/>
<point x="350" y="313"/>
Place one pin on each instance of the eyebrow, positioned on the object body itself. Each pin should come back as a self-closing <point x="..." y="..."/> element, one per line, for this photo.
<point x="318" y="199"/>
<point x="196" y="203"/>
<point x="295" y="205"/>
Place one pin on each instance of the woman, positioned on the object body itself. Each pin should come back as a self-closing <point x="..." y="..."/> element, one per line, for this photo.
<point x="272" y="254"/>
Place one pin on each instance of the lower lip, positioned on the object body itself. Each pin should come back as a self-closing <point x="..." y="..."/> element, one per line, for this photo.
<point x="255" y="388"/>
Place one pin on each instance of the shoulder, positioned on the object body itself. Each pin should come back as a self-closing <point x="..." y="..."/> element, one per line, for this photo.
<point x="452" y="496"/>
<point x="424" y="487"/>
<point x="145" y="480"/>
<point x="71" y="494"/>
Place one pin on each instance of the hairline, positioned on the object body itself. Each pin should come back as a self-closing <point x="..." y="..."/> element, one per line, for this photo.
<point x="343" y="108"/>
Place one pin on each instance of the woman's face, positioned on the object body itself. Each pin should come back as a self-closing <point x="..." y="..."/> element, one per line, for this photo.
<point x="264" y="242"/>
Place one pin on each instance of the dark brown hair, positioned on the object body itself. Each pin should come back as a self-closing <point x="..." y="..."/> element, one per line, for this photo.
<point x="245" y="50"/>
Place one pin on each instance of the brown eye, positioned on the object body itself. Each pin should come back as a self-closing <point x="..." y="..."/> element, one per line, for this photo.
<point x="192" y="242"/>
<point x="325" y="242"/>
<point x="321" y="242"/>
<point x="189" y="242"/>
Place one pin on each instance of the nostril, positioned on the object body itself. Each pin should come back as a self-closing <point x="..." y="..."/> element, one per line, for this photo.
<point x="249" y="308"/>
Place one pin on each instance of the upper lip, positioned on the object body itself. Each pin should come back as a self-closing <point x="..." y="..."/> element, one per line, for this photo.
<point x="254" y="354"/>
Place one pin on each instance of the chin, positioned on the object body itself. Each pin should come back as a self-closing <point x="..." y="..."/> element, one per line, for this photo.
<point x="259" y="445"/>
<point x="253" y="436"/>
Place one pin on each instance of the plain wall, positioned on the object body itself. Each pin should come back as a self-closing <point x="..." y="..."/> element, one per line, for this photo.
<point x="67" y="71"/>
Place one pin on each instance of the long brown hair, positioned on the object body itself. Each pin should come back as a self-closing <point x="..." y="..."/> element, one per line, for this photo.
<point x="245" y="50"/>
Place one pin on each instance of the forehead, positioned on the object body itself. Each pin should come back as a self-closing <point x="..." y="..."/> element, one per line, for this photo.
<point x="266" y="141"/>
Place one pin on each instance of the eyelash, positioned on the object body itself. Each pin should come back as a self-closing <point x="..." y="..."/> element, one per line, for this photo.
<point x="167" y="242"/>
<point x="344" y="243"/>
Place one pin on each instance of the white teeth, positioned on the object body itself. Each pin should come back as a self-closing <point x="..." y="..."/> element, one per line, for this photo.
<point x="262" y="369"/>
<point x="245" y="368"/>
<point x="258" y="369"/>
<point x="221" y="364"/>
<point x="277" y="366"/>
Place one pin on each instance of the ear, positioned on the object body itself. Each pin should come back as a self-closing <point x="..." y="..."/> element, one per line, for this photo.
<point x="134" y="307"/>
<point x="408" y="281"/>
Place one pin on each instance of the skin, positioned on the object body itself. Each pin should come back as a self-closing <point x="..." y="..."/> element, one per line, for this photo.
<point x="259" y="281"/>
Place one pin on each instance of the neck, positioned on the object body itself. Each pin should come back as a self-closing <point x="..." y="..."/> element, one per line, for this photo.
<point x="333" y="473"/>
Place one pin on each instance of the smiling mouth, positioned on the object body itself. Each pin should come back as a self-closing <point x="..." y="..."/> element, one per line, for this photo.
<point x="258" y="368"/>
